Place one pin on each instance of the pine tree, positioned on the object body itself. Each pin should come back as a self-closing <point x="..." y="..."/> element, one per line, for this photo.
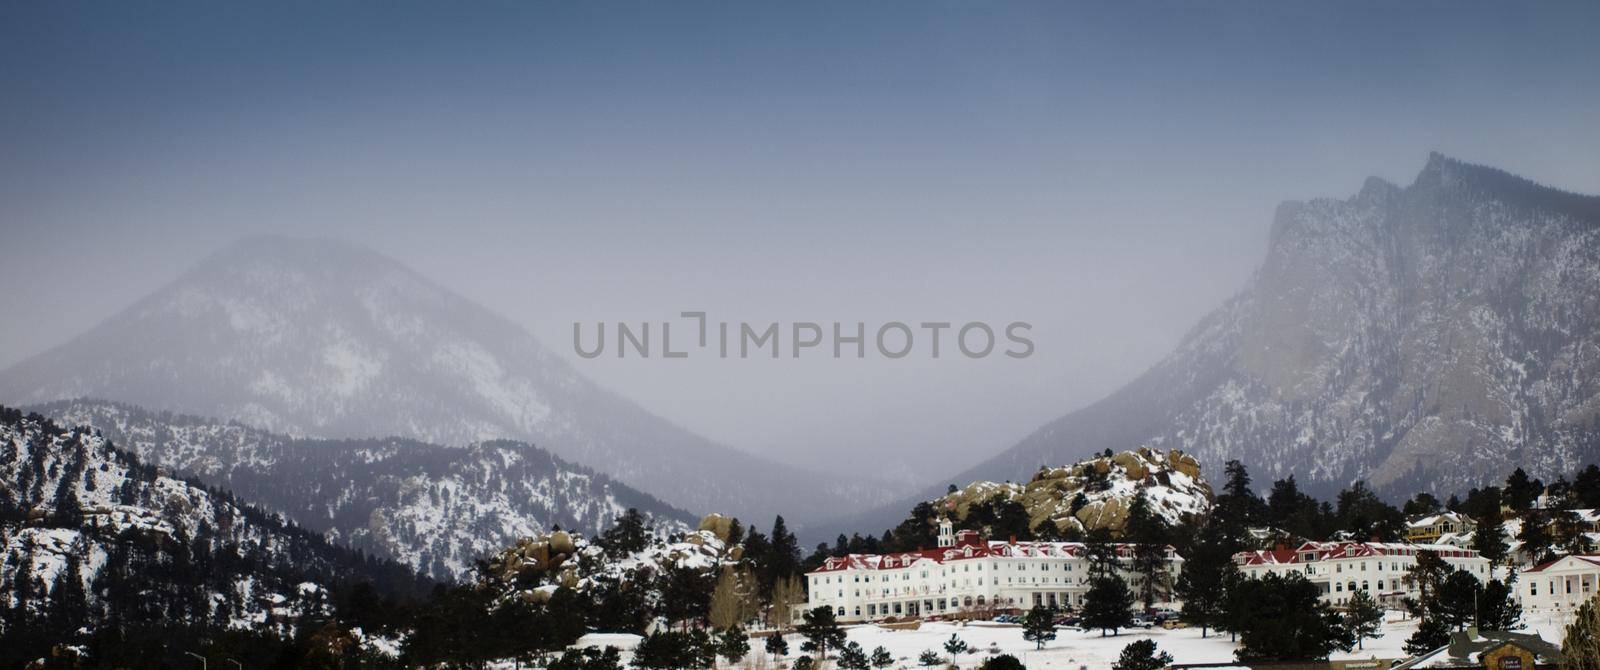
<point x="1456" y="604"/>
<point x="1535" y="535"/>
<point x="1287" y="620"/>
<point x="1498" y="608"/>
<point x="1148" y="534"/>
<point x="1002" y="662"/>
<point x="929" y="658"/>
<point x="1206" y="577"/>
<point x="629" y="535"/>
<point x="776" y="646"/>
<point x="1363" y="617"/>
<point x="821" y="630"/>
<point x="1430" y="635"/>
<point x="1581" y="648"/>
<point x="1521" y="491"/>
<point x="1039" y="626"/>
<point x="1488" y="539"/>
<point x="1142" y="655"/>
<point x="1100" y="553"/>
<point x="1109" y="605"/>
<point x="851" y="657"/>
<point x="881" y="658"/>
<point x="733" y="644"/>
<point x="955" y="647"/>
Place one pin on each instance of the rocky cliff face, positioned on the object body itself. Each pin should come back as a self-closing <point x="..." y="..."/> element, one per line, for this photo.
<point x="1427" y="337"/>
<point x="1433" y="336"/>
<point x="1097" y="493"/>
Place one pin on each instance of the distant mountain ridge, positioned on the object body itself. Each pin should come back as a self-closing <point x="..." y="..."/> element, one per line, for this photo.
<point x="89" y="534"/>
<point x="327" y="339"/>
<point x="1429" y="337"/>
<point x="436" y="509"/>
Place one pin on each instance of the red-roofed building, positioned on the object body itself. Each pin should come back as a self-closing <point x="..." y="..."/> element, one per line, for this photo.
<point x="964" y="574"/>
<point x="1342" y="568"/>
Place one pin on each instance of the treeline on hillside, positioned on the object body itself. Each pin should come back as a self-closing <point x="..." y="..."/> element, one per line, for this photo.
<point x="157" y="565"/>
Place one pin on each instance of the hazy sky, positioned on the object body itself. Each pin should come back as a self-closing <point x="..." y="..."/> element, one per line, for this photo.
<point x="1105" y="171"/>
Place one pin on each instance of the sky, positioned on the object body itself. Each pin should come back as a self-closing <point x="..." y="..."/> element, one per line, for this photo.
<point x="1106" y="172"/>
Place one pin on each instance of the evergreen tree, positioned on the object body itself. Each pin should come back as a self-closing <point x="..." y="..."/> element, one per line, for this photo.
<point x="1142" y="655"/>
<point x="1108" y="605"/>
<point x="1365" y="516"/>
<point x="1521" y="491"/>
<point x="1002" y="662"/>
<point x="1421" y="504"/>
<point x="782" y="561"/>
<point x="955" y="647"/>
<point x="1488" y="539"/>
<point x="629" y="535"/>
<point x="1570" y="533"/>
<point x="776" y="646"/>
<point x="1363" y="617"/>
<point x="1430" y="635"/>
<point x="1206" y="577"/>
<point x="1535" y="535"/>
<point x="821" y="630"/>
<point x="851" y="657"/>
<point x="1039" y="626"/>
<point x="1498" y="608"/>
<point x="1586" y="487"/>
<point x="1100" y="553"/>
<point x="733" y="644"/>
<point x="929" y="658"/>
<point x="1148" y="534"/>
<point x="1457" y="603"/>
<point x="1288" y="621"/>
<point x="1580" y="650"/>
<point x="881" y="658"/>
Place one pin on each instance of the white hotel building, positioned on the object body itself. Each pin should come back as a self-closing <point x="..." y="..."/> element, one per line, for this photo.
<point x="965" y="574"/>
<point x="1341" y="568"/>
<point x="1559" y="586"/>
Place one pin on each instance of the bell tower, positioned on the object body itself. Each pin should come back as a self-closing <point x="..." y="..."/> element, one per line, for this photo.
<point x="947" y="532"/>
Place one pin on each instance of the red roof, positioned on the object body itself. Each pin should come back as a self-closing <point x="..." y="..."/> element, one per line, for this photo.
<point x="1323" y="551"/>
<point x="971" y="549"/>
<point x="1590" y="559"/>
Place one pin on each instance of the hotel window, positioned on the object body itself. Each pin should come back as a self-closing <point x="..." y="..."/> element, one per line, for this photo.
<point x="1533" y="588"/>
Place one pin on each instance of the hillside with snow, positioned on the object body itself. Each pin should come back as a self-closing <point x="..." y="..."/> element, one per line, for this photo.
<point x="436" y="509"/>
<point x="91" y="534"/>
<point x="1094" y="493"/>
<point x="1429" y="337"/>
<point x="317" y="338"/>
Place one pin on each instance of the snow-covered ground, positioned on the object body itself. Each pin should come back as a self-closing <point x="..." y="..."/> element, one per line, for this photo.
<point x="1075" y="649"/>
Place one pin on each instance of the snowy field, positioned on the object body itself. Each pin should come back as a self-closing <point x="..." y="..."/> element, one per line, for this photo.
<point x="1073" y="649"/>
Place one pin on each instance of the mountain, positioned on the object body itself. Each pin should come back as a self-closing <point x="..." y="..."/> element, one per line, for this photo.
<point x="436" y="509"/>
<point x="90" y="534"/>
<point x="1429" y="337"/>
<point x="319" y="338"/>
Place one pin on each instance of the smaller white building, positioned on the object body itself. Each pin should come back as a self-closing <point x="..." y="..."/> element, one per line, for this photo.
<point x="1382" y="569"/>
<point x="1558" y="586"/>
